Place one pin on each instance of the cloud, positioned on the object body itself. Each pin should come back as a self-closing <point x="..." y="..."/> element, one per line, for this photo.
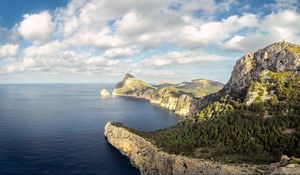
<point x="280" y="5"/>
<point x="102" y="39"/>
<point x="36" y="27"/>
<point x="8" y="36"/>
<point x="182" y="58"/>
<point x="132" y="24"/>
<point x="58" y="57"/>
<point x="272" y="28"/>
<point x="120" y="52"/>
<point x="214" y="32"/>
<point x="207" y="7"/>
<point x="9" y="51"/>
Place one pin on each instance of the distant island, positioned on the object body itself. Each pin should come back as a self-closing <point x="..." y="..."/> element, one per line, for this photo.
<point x="104" y="92"/>
<point x="251" y="125"/>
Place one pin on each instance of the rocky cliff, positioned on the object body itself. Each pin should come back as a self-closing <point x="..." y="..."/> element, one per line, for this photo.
<point x="278" y="57"/>
<point x="152" y="161"/>
<point x="180" y="99"/>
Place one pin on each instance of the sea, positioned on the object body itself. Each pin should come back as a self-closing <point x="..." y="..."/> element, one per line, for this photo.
<point x="57" y="129"/>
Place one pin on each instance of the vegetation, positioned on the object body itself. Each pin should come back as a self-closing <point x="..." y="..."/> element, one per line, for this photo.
<point x="294" y="49"/>
<point x="132" y="84"/>
<point x="198" y="87"/>
<point x="172" y="91"/>
<point x="236" y="131"/>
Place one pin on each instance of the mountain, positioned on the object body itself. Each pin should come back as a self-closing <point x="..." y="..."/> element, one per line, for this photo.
<point x="182" y="98"/>
<point x="253" y="121"/>
<point x="278" y="57"/>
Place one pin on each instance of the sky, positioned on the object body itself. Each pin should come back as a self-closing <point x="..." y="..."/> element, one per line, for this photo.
<point x="99" y="41"/>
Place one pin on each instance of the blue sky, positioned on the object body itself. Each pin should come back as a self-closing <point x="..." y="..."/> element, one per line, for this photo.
<point x="11" y="11"/>
<point x="98" y="41"/>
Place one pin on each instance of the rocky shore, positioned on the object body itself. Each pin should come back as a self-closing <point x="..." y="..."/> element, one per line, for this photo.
<point x="152" y="161"/>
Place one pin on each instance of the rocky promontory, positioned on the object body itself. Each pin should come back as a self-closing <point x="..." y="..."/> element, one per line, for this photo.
<point x="180" y="98"/>
<point x="152" y="161"/>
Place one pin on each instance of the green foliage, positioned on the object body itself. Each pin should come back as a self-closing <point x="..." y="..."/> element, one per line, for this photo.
<point x="197" y="88"/>
<point x="200" y="87"/>
<point x="173" y="91"/>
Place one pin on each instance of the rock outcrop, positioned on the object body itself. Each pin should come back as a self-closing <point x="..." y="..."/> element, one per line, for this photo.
<point x="278" y="57"/>
<point x="152" y="161"/>
<point x="104" y="92"/>
<point x="177" y="98"/>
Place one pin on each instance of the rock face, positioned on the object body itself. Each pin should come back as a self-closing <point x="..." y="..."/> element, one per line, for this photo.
<point x="152" y="161"/>
<point x="104" y="92"/>
<point x="278" y="57"/>
<point x="177" y="98"/>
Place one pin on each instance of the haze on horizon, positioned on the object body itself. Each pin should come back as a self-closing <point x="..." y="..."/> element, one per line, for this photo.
<point x="93" y="41"/>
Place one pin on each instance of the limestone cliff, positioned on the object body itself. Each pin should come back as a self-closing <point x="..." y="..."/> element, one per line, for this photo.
<point x="152" y="161"/>
<point x="278" y="57"/>
<point x="179" y="98"/>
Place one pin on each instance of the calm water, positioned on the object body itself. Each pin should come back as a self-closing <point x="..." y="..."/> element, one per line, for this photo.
<point x="58" y="129"/>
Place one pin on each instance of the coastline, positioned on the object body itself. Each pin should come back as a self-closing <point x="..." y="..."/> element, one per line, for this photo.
<point x="150" y="160"/>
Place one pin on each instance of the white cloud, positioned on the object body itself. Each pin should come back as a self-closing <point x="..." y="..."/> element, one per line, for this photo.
<point x="120" y="52"/>
<point x="132" y="24"/>
<point x="9" y="51"/>
<point x="182" y="58"/>
<point x="209" y="7"/>
<point x="36" y="27"/>
<point x="58" y="57"/>
<point x="283" y="25"/>
<point x="103" y="39"/>
<point x="215" y="32"/>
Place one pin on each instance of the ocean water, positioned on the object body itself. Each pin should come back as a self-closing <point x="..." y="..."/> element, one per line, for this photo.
<point x="58" y="129"/>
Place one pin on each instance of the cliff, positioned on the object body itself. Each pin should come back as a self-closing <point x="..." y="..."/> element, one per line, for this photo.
<point x="152" y="161"/>
<point x="277" y="57"/>
<point x="181" y="98"/>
